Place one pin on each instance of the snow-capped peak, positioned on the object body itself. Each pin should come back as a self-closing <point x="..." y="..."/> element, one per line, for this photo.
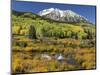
<point x="61" y="12"/>
<point x="47" y="11"/>
<point x="62" y="15"/>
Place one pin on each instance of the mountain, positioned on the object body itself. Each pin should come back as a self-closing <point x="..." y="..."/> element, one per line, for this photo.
<point x="62" y="15"/>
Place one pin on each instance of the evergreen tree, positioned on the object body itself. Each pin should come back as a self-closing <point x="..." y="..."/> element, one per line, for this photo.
<point x="32" y="32"/>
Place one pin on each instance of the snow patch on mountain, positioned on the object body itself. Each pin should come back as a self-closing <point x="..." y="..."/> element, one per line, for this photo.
<point x="46" y="11"/>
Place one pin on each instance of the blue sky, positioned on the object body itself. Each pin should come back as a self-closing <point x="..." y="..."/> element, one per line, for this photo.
<point x="34" y="7"/>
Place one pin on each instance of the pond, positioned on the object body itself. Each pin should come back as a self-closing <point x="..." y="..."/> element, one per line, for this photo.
<point x="45" y="56"/>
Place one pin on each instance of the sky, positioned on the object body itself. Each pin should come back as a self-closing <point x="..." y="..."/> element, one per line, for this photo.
<point x="87" y="11"/>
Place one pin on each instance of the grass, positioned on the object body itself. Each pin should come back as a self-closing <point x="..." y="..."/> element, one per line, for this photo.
<point x="28" y="58"/>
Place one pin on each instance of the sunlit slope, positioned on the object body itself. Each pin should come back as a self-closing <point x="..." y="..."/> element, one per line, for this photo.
<point x="49" y="28"/>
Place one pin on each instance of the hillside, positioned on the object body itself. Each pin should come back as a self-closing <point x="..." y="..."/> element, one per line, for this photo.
<point x="50" y="28"/>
